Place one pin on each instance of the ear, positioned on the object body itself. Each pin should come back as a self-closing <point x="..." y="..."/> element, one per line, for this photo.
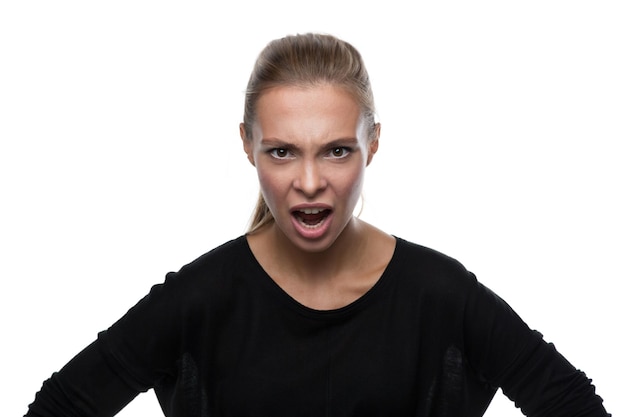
<point x="247" y="143"/>
<point x="372" y="146"/>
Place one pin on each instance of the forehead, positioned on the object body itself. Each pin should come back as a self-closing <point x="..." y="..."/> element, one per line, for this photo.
<point x="322" y="110"/>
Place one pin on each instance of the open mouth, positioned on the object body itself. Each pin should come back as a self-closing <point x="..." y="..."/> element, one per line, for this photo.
<point x="311" y="217"/>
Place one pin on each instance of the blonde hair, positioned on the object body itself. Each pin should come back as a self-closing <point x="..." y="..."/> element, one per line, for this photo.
<point x="306" y="60"/>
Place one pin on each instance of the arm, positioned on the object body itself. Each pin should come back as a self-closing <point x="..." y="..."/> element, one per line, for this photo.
<point x="86" y="386"/>
<point x="530" y="371"/>
<point x="125" y="360"/>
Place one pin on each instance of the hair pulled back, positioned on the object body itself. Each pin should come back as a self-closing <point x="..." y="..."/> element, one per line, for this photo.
<point x="307" y="60"/>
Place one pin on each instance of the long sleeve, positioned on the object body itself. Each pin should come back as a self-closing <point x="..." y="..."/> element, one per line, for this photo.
<point x="85" y="387"/>
<point x="126" y="359"/>
<point x="135" y="354"/>
<point x="530" y="371"/>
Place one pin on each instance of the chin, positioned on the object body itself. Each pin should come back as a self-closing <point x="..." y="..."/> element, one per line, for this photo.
<point x="319" y="245"/>
<point x="312" y="246"/>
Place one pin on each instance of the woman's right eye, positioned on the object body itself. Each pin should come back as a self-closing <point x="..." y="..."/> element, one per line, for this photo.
<point x="279" y="153"/>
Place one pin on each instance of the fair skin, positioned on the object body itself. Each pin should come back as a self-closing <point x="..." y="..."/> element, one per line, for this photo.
<point x="310" y="148"/>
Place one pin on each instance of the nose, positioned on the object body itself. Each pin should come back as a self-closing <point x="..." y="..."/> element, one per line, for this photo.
<point x="310" y="179"/>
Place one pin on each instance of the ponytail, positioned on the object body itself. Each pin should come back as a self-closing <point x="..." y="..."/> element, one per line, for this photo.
<point x="261" y="216"/>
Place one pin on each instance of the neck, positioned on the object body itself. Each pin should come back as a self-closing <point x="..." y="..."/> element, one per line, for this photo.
<point x="344" y="254"/>
<point x="331" y="278"/>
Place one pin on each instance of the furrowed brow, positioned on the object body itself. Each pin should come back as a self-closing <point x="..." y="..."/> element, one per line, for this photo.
<point x="343" y="142"/>
<point x="277" y="143"/>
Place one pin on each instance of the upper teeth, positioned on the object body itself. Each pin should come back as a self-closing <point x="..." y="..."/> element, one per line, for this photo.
<point x="311" y="210"/>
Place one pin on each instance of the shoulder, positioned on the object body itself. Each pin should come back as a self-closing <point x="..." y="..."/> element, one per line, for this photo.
<point x="432" y="270"/>
<point x="425" y="260"/>
<point x="220" y="259"/>
<point x="198" y="288"/>
<point x="206" y="280"/>
<point x="175" y="313"/>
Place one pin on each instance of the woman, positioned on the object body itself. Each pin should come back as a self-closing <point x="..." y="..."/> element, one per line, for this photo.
<point x="315" y="312"/>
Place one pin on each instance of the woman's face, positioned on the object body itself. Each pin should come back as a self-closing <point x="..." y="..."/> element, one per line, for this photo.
<point x="310" y="149"/>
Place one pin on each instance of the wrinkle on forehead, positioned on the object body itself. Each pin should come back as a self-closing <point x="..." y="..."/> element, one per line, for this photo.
<point x="308" y="115"/>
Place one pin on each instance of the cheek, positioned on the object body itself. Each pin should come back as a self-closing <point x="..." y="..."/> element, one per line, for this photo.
<point x="351" y="185"/>
<point x="271" y="186"/>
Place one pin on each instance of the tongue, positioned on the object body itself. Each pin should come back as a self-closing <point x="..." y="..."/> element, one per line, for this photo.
<point x="312" y="219"/>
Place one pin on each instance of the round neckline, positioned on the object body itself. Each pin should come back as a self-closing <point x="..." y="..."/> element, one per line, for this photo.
<point x="286" y="299"/>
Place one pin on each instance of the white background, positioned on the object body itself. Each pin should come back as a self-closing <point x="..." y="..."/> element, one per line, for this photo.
<point x="502" y="146"/>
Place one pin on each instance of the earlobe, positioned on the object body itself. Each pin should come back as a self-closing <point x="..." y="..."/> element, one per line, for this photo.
<point x="247" y="144"/>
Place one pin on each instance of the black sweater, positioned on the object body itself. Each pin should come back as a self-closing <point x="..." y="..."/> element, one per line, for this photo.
<point x="220" y="338"/>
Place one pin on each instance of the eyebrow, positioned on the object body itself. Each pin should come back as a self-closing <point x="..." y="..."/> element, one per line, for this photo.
<point x="279" y="143"/>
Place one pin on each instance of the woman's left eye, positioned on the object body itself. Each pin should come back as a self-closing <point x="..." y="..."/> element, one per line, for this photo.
<point x="339" y="152"/>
